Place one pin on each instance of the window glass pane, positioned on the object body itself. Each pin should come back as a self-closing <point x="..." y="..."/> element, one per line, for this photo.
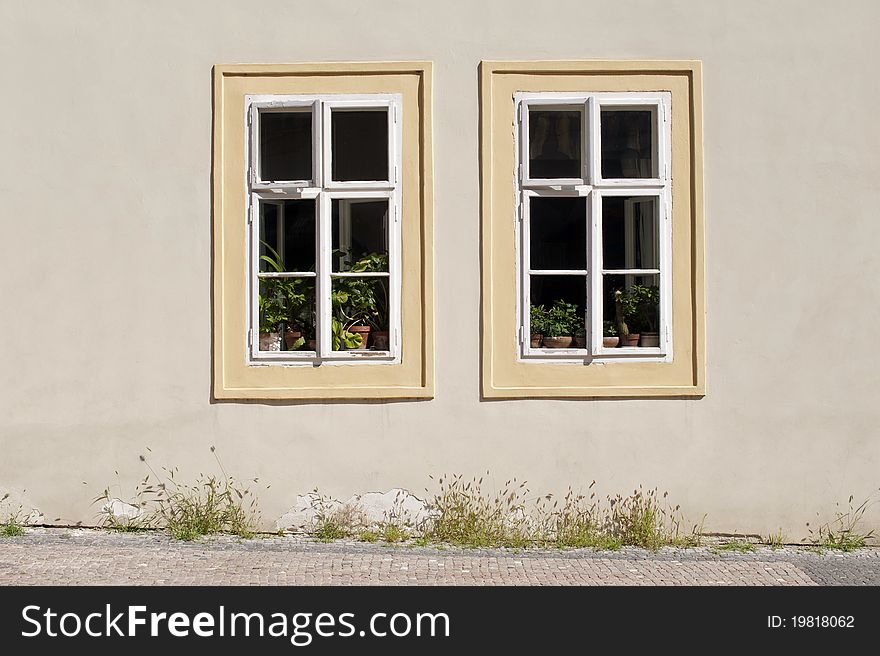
<point x="630" y="235"/>
<point x="359" y="142"/>
<point x="287" y="308"/>
<point x="554" y="143"/>
<point x="637" y="306"/>
<point x="287" y="235"/>
<point x="558" y="232"/>
<point x="360" y="235"/>
<point x="628" y="143"/>
<point x="286" y="145"/>
<point x="360" y="313"/>
<point x="558" y="311"/>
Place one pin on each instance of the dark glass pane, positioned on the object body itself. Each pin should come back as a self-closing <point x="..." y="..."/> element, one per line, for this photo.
<point x="286" y="145"/>
<point x="287" y="228"/>
<point x="288" y="304"/>
<point x="643" y="296"/>
<point x="554" y="144"/>
<point x="630" y="238"/>
<point x="360" y="145"/>
<point x="628" y="143"/>
<point x="360" y="307"/>
<point x="360" y="235"/>
<point x="548" y="291"/>
<point x="558" y="229"/>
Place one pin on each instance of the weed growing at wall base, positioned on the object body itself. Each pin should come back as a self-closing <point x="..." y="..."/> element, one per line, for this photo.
<point x="844" y="532"/>
<point x="212" y="504"/>
<point x="463" y="515"/>
<point x="12" y="527"/>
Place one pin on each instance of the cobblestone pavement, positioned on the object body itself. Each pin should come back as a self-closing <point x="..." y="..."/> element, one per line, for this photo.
<point x="82" y="556"/>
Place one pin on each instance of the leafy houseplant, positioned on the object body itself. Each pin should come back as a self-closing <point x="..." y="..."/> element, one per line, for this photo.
<point x="636" y="311"/>
<point x="609" y="334"/>
<point x="284" y="306"/>
<point x="648" y="302"/>
<point x="625" y="308"/>
<point x="537" y="321"/>
<point x="360" y="305"/>
<point x="562" y="321"/>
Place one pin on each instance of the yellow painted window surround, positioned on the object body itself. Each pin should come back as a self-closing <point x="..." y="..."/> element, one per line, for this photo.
<point x="506" y="373"/>
<point x="238" y="376"/>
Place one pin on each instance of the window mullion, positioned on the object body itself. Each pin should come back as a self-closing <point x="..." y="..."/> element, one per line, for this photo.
<point x="593" y="142"/>
<point x="323" y="280"/>
<point x="525" y="330"/>
<point x="253" y="234"/>
<point x="595" y="277"/>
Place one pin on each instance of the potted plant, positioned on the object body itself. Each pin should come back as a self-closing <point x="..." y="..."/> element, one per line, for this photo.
<point x="360" y="305"/>
<point x="561" y="322"/>
<point x="625" y="309"/>
<point x="609" y="335"/>
<point x="282" y="302"/>
<point x="537" y="322"/>
<point x="648" y="301"/>
<point x="580" y="337"/>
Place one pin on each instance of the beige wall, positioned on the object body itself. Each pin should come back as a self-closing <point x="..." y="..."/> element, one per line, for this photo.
<point x="105" y="128"/>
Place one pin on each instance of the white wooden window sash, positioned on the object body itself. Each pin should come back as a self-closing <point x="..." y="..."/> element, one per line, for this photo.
<point x="324" y="190"/>
<point x="593" y="187"/>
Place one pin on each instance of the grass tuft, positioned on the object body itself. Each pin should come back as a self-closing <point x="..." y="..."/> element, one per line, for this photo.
<point x="464" y="515"/>
<point x="12" y="527"/>
<point x="843" y="533"/>
<point x="212" y="504"/>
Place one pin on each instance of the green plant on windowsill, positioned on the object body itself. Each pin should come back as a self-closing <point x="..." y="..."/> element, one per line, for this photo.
<point x="284" y="303"/>
<point x="561" y="323"/>
<point x="625" y="308"/>
<point x="537" y="324"/>
<point x="635" y="310"/>
<point x="609" y="334"/>
<point x="360" y="305"/>
<point x="647" y="302"/>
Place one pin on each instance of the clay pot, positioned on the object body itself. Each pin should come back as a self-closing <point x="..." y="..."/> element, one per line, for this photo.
<point x="630" y="340"/>
<point x="557" y="342"/>
<point x="380" y="340"/>
<point x="290" y="338"/>
<point x="580" y="342"/>
<point x="649" y="340"/>
<point x="610" y="342"/>
<point x="535" y="340"/>
<point x="364" y="332"/>
<point x="270" y="341"/>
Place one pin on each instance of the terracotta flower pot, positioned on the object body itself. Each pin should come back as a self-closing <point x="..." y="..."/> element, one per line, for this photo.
<point x="535" y="340"/>
<point x="364" y="332"/>
<point x="649" y="340"/>
<point x="290" y="338"/>
<point x="610" y="342"/>
<point x="270" y="341"/>
<point x="380" y="340"/>
<point x="630" y="340"/>
<point x="557" y="342"/>
<point x="580" y="342"/>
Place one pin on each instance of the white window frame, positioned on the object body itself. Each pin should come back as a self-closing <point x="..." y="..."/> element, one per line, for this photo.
<point x="593" y="187"/>
<point x="324" y="190"/>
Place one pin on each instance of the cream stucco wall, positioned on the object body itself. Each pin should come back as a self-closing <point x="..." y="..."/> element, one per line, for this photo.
<point x="105" y="258"/>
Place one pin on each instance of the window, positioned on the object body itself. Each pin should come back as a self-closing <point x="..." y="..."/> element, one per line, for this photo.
<point x="323" y="231"/>
<point x="592" y="229"/>
<point x="593" y="182"/>
<point x="324" y="228"/>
